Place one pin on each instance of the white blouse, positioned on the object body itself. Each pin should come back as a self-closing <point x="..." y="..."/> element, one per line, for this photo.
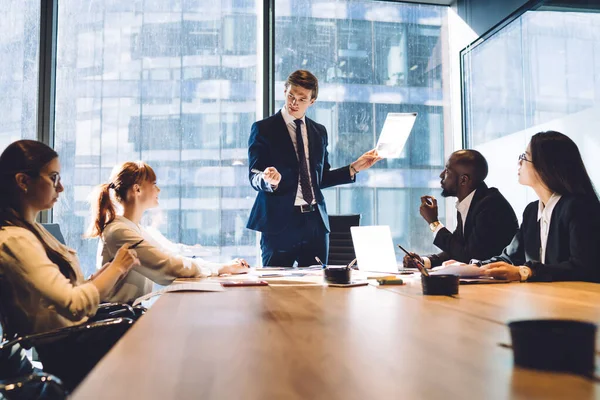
<point x="35" y="295"/>
<point x="158" y="262"/>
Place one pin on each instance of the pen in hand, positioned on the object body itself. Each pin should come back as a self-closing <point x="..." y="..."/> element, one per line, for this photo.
<point x="320" y="262"/>
<point x="256" y="171"/>
<point x="133" y="246"/>
<point x="420" y="265"/>
<point x="136" y="244"/>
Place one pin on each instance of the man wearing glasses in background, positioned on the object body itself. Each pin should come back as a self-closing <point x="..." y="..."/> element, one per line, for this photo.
<point x="289" y="166"/>
<point x="486" y="222"/>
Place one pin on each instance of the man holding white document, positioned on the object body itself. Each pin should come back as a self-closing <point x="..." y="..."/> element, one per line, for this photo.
<point x="288" y="166"/>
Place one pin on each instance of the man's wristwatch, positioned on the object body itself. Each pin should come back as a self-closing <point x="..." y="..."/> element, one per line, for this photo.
<point x="475" y="261"/>
<point x="525" y="272"/>
<point x="433" y="226"/>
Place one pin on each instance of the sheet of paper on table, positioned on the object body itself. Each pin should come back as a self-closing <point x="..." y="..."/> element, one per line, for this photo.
<point x="206" y="286"/>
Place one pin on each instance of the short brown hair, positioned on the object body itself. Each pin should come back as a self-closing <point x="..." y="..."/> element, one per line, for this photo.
<point x="304" y="79"/>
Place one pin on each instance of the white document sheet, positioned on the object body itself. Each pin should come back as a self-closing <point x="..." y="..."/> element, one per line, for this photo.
<point x="394" y="134"/>
<point x="462" y="270"/>
<point x="183" y="287"/>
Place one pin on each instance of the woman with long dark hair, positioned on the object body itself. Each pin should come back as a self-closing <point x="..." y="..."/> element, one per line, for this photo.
<point x="41" y="283"/>
<point x="133" y="187"/>
<point x="558" y="239"/>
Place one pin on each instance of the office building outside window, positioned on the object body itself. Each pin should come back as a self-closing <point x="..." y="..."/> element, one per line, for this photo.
<point x="175" y="84"/>
<point x="19" y="66"/>
<point x="536" y="74"/>
<point x="372" y="58"/>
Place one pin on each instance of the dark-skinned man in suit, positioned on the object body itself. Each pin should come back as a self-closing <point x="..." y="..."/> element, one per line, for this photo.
<point x="486" y="222"/>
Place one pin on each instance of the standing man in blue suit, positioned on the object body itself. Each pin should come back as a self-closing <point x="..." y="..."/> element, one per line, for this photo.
<point x="289" y="166"/>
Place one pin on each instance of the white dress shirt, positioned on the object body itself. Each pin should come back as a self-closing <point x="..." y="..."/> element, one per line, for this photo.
<point x="463" y="208"/>
<point x="37" y="296"/>
<point x="158" y="263"/>
<point x="544" y="217"/>
<point x="291" y="126"/>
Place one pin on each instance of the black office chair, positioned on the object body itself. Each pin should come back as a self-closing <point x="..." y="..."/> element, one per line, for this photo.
<point x="341" y="249"/>
<point x="18" y="377"/>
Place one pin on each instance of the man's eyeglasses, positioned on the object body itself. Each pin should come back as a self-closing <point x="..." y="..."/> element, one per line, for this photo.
<point x="523" y="157"/>
<point x="293" y="98"/>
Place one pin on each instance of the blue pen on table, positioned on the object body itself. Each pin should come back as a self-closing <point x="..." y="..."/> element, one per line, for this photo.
<point x="420" y="265"/>
<point x="320" y="262"/>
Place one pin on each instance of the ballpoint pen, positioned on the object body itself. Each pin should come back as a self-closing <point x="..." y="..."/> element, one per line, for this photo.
<point x="136" y="244"/>
<point x="420" y="265"/>
<point x="256" y="171"/>
<point x="133" y="246"/>
<point x="351" y="263"/>
<point x="320" y="262"/>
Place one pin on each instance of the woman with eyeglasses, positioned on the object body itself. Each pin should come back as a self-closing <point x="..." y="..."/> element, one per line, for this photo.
<point x="132" y="186"/>
<point x="558" y="239"/>
<point x="41" y="283"/>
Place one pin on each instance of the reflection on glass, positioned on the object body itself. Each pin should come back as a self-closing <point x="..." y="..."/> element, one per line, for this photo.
<point x="538" y="73"/>
<point x="19" y="66"/>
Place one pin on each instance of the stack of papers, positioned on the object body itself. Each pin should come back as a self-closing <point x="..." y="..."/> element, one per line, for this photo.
<point x="460" y="269"/>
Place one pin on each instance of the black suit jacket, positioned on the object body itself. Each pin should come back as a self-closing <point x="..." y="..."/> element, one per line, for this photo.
<point x="491" y="224"/>
<point x="270" y="145"/>
<point x="573" y="246"/>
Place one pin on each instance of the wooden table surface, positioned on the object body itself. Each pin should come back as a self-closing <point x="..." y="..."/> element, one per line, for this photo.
<point x="339" y="343"/>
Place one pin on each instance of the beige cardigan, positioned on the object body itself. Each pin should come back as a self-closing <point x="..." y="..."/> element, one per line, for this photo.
<point x="35" y="295"/>
<point x="157" y="263"/>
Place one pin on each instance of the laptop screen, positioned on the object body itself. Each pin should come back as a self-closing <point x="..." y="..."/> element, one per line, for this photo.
<point x="374" y="248"/>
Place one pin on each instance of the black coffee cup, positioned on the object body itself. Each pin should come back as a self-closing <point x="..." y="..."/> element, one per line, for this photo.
<point x="337" y="274"/>
<point x="559" y="345"/>
<point x="444" y="285"/>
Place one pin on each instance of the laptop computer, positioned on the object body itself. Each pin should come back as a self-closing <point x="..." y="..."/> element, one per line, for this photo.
<point x="374" y="249"/>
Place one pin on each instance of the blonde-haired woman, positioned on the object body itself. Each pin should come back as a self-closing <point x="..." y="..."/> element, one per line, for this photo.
<point x="133" y="185"/>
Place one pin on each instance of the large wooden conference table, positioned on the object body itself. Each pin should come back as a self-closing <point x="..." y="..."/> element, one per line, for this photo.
<point x="311" y="342"/>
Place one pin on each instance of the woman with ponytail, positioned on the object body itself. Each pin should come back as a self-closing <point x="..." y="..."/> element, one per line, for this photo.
<point x="133" y="186"/>
<point x="41" y="283"/>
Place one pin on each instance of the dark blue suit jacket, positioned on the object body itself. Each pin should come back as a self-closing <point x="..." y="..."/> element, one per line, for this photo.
<point x="270" y="145"/>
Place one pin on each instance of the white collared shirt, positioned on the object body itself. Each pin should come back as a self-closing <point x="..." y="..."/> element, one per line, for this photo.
<point x="544" y="217"/>
<point x="463" y="208"/>
<point x="291" y="126"/>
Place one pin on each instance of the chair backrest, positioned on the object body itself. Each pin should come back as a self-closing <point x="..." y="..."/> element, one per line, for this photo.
<point x="54" y="229"/>
<point x="13" y="360"/>
<point x="341" y="249"/>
